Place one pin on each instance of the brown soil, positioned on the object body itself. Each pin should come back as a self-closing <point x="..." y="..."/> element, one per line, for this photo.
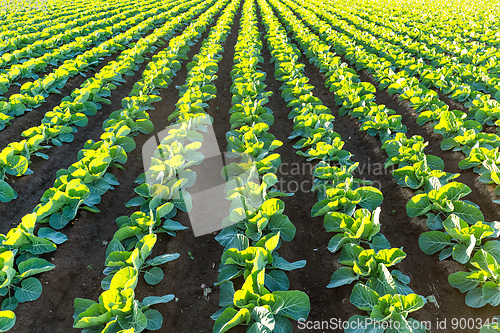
<point x="80" y="261"/>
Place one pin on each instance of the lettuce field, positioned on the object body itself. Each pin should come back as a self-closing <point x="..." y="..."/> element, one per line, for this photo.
<point x="347" y="151"/>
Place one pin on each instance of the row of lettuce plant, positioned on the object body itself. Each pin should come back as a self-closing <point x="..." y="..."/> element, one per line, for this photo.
<point x="351" y="210"/>
<point x="41" y="54"/>
<point x="164" y="184"/>
<point x="82" y="184"/>
<point x="118" y="310"/>
<point x="32" y="22"/>
<point x="16" y="39"/>
<point x="459" y="133"/>
<point x="428" y="38"/>
<point x="189" y="112"/>
<point x="256" y="219"/>
<point x="406" y="61"/>
<point x="38" y="20"/>
<point x="386" y="123"/>
<point x="59" y="124"/>
<point x="162" y="193"/>
<point x="458" y="52"/>
<point x="464" y="83"/>
<point x="42" y="46"/>
<point x="460" y="48"/>
<point x="439" y="21"/>
<point x="34" y="93"/>
<point x="15" y="20"/>
<point x="439" y="199"/>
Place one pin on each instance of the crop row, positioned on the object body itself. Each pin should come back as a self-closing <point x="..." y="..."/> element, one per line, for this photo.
<point x="34" y="93"/>
<point x="462" y="220"/>
<point x="256" y="225"/>
<point x="35" y="20"/>
<point x="13" y="40"/>
<point x="82" y="184"/>
<point x="162" y="192"/>
<point x="252" y="279"/>
<point x="59" y="124"/>
<point x="36" y="57"/>
<point x="459" y="133"/>
<point x="351" y="210"/>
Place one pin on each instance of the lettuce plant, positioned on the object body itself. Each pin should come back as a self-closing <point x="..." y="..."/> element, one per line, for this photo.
<point x="444" y="200"/>
<point x="459" y="241"/>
